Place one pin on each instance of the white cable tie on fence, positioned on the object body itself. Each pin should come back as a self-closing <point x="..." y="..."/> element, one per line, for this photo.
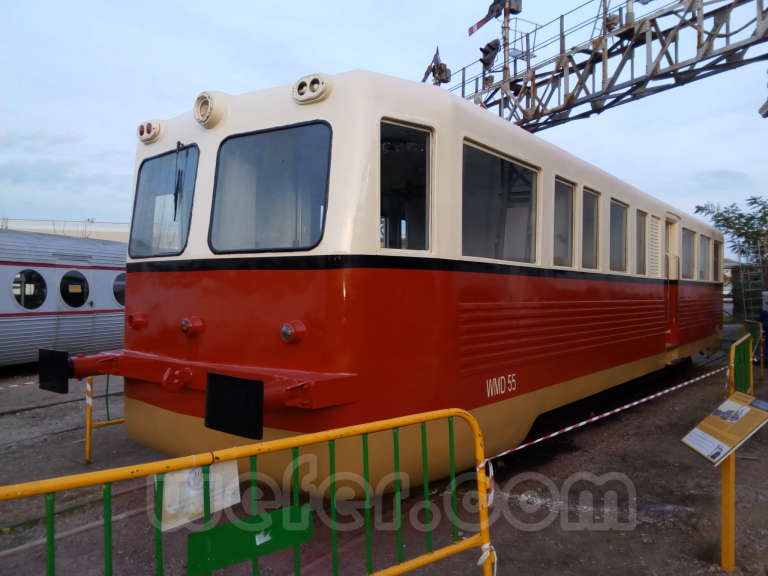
<point x="489" y="552"/>
<point x="489" y="477"/>
<point x="490" y="483"/>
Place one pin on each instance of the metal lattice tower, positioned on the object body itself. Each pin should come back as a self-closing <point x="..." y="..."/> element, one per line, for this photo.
<point x="751" y="272"/>
<point x="542" y="82"/>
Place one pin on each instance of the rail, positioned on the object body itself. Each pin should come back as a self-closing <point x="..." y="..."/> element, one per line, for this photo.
<point x="51" y="486"/>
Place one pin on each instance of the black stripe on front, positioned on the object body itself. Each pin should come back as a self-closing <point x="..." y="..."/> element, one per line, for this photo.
<point x="340" y="261"/>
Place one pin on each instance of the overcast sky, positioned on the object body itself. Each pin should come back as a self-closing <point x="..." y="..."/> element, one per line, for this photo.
<point x="79" y="76"/>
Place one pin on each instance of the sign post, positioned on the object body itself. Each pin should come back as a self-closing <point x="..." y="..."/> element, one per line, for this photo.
<point x="716" y="438"/>
<point x="728" y="514"/>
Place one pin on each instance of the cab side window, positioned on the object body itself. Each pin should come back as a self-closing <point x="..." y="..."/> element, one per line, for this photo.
<point x="404" y="187"/>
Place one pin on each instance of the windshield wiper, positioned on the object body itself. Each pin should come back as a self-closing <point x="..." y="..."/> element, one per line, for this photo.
<point x="179" y="185"/>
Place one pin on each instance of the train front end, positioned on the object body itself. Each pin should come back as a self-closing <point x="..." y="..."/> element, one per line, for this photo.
<point x="240" y="310"/>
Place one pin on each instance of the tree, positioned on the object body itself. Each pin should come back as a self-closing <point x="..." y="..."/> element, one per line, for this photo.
<point x="747" y="234"/>
<point x="746" y="230"/>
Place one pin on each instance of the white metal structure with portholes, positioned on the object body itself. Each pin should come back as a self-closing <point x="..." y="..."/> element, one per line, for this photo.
<point x="59" y="292"/>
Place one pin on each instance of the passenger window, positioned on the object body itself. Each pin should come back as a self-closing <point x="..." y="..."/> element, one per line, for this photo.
<point x="703" y="258"/>
<point x="29" y="289"/>
<point x="688" y="239"/>
<point x="589" y="230"/>
<point x="498" y="208"/>
<point x="563" y="249"/>
<point x="74" y="289"/>
<point x="618" y="237"/>
<point x="404" y="187"/>
<point x="640" y="242"/>
<point x="118" y="288"/>
<point x="716" y="261"/>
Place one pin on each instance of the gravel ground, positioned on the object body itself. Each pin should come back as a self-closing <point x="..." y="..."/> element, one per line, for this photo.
<point x="656" y="512"/>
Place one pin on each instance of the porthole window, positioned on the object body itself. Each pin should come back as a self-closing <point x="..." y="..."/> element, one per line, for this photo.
<point x="29" y="289"/>
<point x="118" y="288"/>
<point x="74" y="289"/>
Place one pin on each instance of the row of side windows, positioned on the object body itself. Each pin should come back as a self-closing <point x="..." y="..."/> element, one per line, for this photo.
<point x="499" y="211"/>
<point x="498" y="205"/>
<point x="705" y="259"/>
<point x="646" y="246"/>
<point x="31" y="291"/>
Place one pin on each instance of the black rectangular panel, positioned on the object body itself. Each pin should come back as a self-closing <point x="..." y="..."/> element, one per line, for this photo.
<point x="235" y="405"/>
<point x="54" y="370"/>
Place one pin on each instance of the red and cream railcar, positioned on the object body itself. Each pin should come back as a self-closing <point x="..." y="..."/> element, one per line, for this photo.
<point x="369" y="247"/>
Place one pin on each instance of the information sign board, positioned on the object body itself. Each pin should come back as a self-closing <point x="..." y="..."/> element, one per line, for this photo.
<point x="728" y="427"/>
<point x="183" y="493"/>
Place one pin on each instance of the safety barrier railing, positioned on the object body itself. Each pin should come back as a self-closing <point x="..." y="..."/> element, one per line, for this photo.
<point x="202" y="564"/>
<point x="89" y="423"/>
<point x="741" y="377"/>
<point x="755" y="329"/>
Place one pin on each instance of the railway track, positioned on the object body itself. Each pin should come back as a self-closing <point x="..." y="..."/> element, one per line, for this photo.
<point x="625" y="393"/>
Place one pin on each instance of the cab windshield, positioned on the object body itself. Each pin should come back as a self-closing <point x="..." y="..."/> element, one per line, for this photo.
<point x="271" y="190"/>
<point x="163" y="205"/>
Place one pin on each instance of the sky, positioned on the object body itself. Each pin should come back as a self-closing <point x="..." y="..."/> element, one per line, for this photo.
<point x="78" y="77"/>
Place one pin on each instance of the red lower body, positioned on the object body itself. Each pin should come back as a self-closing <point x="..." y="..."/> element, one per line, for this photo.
<point x="384" y="342"/>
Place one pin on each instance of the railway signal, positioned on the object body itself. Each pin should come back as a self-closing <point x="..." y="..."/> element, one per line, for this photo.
<point x="494" y="11"/>
<point x="563" y="72"/>
<point x="489" y="51"/>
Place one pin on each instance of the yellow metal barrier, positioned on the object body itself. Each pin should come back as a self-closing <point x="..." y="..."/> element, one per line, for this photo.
<point x="106" y="477"/>
<point x="89" y="423"/>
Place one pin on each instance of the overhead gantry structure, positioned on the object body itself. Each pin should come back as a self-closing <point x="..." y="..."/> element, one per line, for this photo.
<point x="625" y="57"/>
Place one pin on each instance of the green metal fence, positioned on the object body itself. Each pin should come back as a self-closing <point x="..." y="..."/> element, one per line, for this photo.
<point x="216" y="546"/>
<point x="741" y="365"/>
<point x="755" y="329"/>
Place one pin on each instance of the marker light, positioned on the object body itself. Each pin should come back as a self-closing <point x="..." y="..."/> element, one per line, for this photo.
<point x="209" y="108"/>
<point x="150" y="131"/>
<point x="312" y="88"/>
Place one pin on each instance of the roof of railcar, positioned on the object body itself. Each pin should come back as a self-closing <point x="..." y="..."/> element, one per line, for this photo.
<point x="397" y="93"/>
<point x="39" y="248"/>
<point x="448" y="104"/>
